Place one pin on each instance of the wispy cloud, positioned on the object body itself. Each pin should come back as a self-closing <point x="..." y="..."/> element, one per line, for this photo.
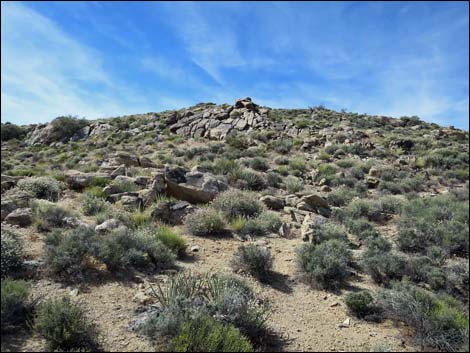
<point x="45" y="73"/>
<point x="100" y="59"/>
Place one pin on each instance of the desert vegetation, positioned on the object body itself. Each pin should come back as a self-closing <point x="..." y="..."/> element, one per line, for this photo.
<point x="235" y="228"/>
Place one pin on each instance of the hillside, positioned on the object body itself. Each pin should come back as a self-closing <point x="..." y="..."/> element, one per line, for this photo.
<point x="322" y="231"/>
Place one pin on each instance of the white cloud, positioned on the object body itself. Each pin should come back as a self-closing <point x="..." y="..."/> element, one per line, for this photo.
<point x="45" y="73"/>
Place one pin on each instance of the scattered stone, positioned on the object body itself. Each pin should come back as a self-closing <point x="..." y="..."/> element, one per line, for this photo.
<point x="22" y="217"/>
<point x="172" y="212"/>
<point x="192" y="186"/>
<point x="273" y="202"/>
<point x="195" y="248"/>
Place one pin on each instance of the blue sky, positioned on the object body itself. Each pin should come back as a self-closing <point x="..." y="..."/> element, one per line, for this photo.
<point x="101" y="59"/>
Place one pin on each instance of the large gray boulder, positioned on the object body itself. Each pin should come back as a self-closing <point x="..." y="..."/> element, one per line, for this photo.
<point x="192" y="186"/>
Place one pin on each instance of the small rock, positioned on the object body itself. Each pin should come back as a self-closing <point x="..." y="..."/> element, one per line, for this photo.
<point x="195" y="248"/>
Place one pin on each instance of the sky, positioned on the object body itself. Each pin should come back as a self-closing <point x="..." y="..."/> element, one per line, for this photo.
<point x="103" y="59"/>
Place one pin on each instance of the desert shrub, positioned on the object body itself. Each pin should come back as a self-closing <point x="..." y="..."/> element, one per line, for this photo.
<point x="298" y="164"/>
<point x="252" y="259"/>
<point x="225" y="298"/>
<point x="362" y="228"/>
<point x="413" y="184"/>
<point x="259" y="164"/>
<point x="204" y="334"/>
<point x="325" y="170"/>
<point x="205" y="222"/>
<point x="234" y="203"/>
<point x="236" y="140"/>
<point x="250" y="180"/>
<point x="341" y="196"/>
<point x="390" y="187"/>
<point x="360" y="303"/>
<point x="346" y="163"/>
<point x="225" y="166"/>
<point x="11" y="251"/>
<point x="121" y="186"/>
<point x="383" y="266"/>
<point x="64" y="127"/>
<point x="92" y="205"/>
<point x="282" y="146"/>
<point x="121" y="249"/>
<point x="64" y="325"/>
<point x="446" y="158"/>
<point x="67" y="251"/>
<point x="171" y="239"/>
<point x="41" y="187"/>
<point x="438" y="322"/>
<point x="273" y="179"/>
<point x="11" y="131"/>
<point x="326" y="264"/>
<point x="293" y="184"/>
<point x="48" y="215"/>
<point x="441" y="221"/>
<point x="142" y="218"/>
<point x="328" y="231"/>
<point x="15" y="306"/>
<point x="265" y="223"/>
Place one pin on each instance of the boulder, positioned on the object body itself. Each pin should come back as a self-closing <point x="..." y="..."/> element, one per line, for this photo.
<point x="312" y="202"/>
<point x="125" y="158"/>
<point x="273" y="202"/>
<point x="9" y="182"/>
<point x="108" y="225"/>
<point x="22" y="217"/>
<point x="172" y="212"/>
<point x="158" y="182"/>
<point x="192" y="186"/>
<point x="77" y="180"/>
<point x="12" y="200"/>
<point x="147" y="163"/>
<point x="373" y="172"/>
<point x="372" y="182"/>
<point x="310" y="223"/>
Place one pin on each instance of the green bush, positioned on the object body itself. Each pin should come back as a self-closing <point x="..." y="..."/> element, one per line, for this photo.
<point x="12" y="252"/>
<point x="341" y="196"/>
<point x="64" y="127"/>
<point x="91" y="205"/>
<point x="121" y="249"/>
<point x="171" y="239"/>
<point x="360" y="303"/>
<point x="293" y="184"/>
<point x="362" y="229"/>
<point x="41" y="187"/>
<point x="259" y="164"/>
<point x="15" y="306"/>
<point x="252" y="259"/>
<point x="326" y="169"/>
<point x="247" y="179"/>
<point x="64" y="325"/>
<point x="48" y="215"/>
<point x="67" y="251"/>
<point x="234" y="203"/>
<point x="383" y="266"/>
<point x="440" y="220"/>
<point x="224" y="297"/>
<point x="267" y="222"/>
<point x="328" y="231"/>
<point x="282" y="146"/>
<point x="326" y="264"/>
<point x="11" y="131"/>
<point x="205" y="222"/>
<point x="438" y="322"/>
<point x="204" y="334"/>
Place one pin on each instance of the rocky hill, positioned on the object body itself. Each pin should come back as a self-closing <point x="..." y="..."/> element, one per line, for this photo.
<point x="318" y="229"/>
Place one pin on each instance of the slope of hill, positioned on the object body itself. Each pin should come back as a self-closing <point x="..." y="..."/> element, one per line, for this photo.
<point x="342" y="224"/>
